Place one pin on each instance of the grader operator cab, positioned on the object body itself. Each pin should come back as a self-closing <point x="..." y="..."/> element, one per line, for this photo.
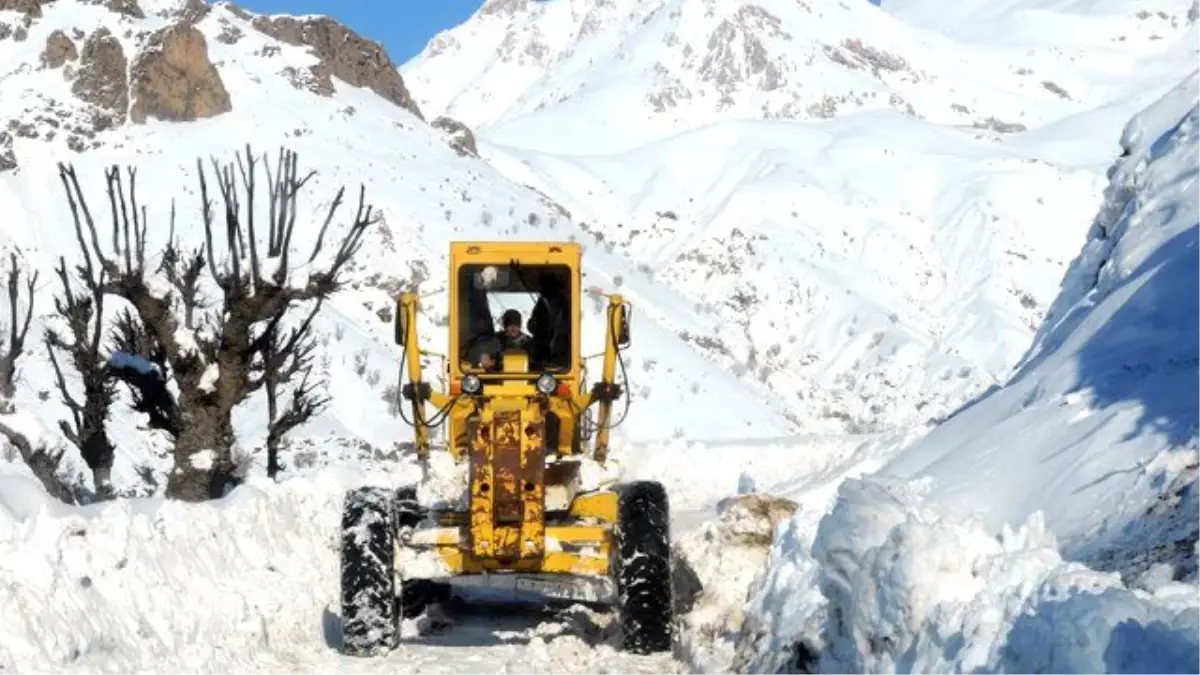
<point x="515" y="411"/>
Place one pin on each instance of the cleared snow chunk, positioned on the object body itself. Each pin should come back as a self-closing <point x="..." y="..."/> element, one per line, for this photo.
<point x="203" y="460"/>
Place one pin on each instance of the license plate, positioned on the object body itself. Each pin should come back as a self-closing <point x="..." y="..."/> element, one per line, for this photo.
<point x="553" y="588"/>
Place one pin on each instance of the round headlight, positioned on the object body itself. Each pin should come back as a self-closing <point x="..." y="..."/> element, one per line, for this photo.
<point x="546" y="383"/>
<point x="471" y="384"/>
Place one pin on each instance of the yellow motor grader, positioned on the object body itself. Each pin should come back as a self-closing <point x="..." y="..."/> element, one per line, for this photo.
<point x="515" y="412"/>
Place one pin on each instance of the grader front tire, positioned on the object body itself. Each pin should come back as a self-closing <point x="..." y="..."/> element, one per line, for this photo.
<point x="370" y="613"/>
<point x="643" y="568"/>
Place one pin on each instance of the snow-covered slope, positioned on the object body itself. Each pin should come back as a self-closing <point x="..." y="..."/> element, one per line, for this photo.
<point x="870" y="271"/>
<point x="840" y="195"/>
<point x="1072" y="28"/>
<point x="1090" y="452"/>
<point x="1106" y="402"/>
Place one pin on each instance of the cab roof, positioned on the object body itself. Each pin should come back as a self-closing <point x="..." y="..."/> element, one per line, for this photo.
<point x="529" y="252"/>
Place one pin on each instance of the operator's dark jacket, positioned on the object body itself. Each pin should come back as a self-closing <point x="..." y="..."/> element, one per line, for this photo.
<point x="549" y="323"/>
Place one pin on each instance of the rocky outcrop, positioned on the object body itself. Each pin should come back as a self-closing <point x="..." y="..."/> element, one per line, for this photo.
<point x="173" y="78"/>
<point x="230" y="32"/>
<point x="314" y="78"/>
<point x="346" y="55"/>
<point x="458" y="135"/>
<point x="503" y="7"/>
<point x="193" y="11"/>
<point x="129" y="8"/>
<point x="59" y="49"/>
<point x="8" y="159"/>
<point x="30" y="8"/>
<point x="101" y="79"/>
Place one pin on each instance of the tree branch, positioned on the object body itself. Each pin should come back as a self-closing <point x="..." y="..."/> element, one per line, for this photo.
<point x="42" y="461"/>
<point x="282" y="361"/>
<point x="18" y="329"/>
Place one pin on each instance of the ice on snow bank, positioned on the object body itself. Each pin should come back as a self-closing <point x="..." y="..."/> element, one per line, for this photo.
<point x="715" y="565"/>
<point x="905" y="587"/>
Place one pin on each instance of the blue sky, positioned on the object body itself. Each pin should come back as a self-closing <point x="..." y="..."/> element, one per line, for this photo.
<point x="403" y="26"/>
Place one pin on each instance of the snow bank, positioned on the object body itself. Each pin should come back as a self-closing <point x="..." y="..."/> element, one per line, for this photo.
<point x="905" y="586"/>
<point x="251" y="581"/>
<point x="1094" y="439"/>
<point x="1102" y="414"/>
<point x="152" y="584"/>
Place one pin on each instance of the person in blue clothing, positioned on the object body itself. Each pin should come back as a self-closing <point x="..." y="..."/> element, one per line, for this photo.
<point x="149" y="383"/>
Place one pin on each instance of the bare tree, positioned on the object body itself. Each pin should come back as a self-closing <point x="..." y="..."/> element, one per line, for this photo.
<point x="42" y="460"/>
<point x="83" y="314"/>
<point x="210" y="354"/>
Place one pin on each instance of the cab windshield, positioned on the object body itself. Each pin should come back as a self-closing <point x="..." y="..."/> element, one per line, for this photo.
<point x="515" y="307"/>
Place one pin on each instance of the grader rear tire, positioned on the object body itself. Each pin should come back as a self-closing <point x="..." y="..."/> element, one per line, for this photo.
<point x="370" y="613"/>
<point x="643" y="568"/>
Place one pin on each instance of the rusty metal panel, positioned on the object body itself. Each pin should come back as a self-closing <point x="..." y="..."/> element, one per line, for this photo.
<point x="507" y="474"/>
<point x="506" y="465"/>
<point x="533" y="484"/>
<point x="481" y="486"/>
<point x="506" y="543"/>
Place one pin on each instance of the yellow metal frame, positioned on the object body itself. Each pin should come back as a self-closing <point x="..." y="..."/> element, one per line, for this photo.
<point x="453" y="544"/>
<point x="502" y="434"/>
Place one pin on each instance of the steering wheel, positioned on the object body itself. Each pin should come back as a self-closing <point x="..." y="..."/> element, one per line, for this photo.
<point x="482" y="344"/>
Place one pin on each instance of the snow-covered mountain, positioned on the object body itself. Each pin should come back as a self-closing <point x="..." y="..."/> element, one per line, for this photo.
<point x="537" y="74"/>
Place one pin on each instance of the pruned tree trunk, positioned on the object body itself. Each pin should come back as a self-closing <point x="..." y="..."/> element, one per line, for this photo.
<point x="273" y="433"/>
<point x="17" y="329"/>
<point x="203" y="456"/>
<point x="95" y="446"/>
